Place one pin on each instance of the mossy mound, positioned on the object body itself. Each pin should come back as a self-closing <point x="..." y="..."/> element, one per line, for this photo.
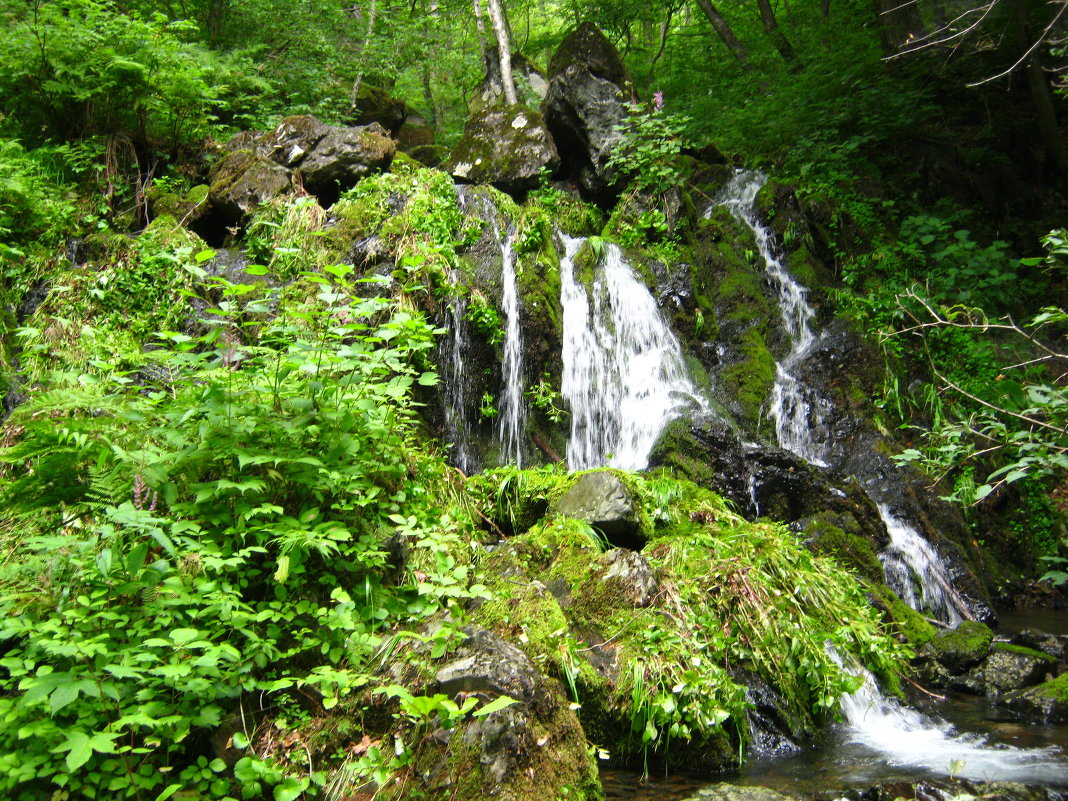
<point x="963" y="647"/>
<point x="650" y="643"/>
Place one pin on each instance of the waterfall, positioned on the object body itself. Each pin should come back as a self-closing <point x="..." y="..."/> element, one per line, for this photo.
<point x="910" y="560"/>
<point x="453" y="350"/>
<point x="513" y="410"/>
<point x="794" y="407"/>
<point x="907" y="738"/>
<point x="799" y="412"/>
<point x="623" y="370"/>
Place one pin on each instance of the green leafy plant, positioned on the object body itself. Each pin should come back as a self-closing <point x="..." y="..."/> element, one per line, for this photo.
<point x="263" y="467"/>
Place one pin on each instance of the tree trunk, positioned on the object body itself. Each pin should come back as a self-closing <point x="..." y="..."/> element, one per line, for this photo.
<point x="504" y="50"/>
<point x="725" y="33"/>
<point x="480" y="29"/>
<point x="1052" y="141"/>
<point x="778" y="38"/>
<point x="372" y="16"/>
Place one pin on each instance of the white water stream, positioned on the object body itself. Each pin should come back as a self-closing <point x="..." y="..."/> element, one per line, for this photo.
<point x="913" y="569"/>
<point x="453" y="351"/>
<point x="910" y="562"/>
<point x="792" y="407"/>
<point x="513" y="410"/>
<point x="907" y="738"/>
<point x="798" y="412"/>
<point x="623" y="370"/>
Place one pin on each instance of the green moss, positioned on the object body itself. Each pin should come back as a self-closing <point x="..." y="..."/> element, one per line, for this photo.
<point x="908" y="622"/>
<point x="852" y="549"/>
<point x="1055" y="688"/>
<point x="750" y="380"/>
<point x="1022" y="651"/>
<point x="965" y="645"/>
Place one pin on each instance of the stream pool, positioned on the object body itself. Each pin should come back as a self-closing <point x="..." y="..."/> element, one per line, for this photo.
<point x="962" y="735"/>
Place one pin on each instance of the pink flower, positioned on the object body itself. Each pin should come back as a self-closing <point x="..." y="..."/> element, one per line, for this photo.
<point x="658" y="100"/>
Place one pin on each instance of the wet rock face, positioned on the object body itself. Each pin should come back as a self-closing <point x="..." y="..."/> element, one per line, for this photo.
<point x="601" y="499"/>
<point x="1006" y="671"/>
<point x="257" y="167"/>
<point x="508" y="146"/>
<point x="966" y="659"/>
<point x="1044" y="703"/>
<point x="588" y="90"/>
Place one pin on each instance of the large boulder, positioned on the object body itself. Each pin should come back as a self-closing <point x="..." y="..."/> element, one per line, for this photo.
<point x="243" y="180"/>
<point x="255" y="168"/>
<point x="344" y="156"/>
<point x="601" y="499"/>
<point x="589" y="87"/>
<point x="508" y="146"/>
<point x="534" y="748"/>
<point x="1012" y="667"/>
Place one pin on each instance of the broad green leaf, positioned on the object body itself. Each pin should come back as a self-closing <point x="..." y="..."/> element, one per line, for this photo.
<point x="497" y="704"/>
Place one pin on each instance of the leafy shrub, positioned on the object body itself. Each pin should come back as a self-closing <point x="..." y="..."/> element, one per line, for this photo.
<point x="209" y="533"/>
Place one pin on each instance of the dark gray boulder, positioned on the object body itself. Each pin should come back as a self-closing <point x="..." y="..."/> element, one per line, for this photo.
<point x="243" y="180"/>
<point x="601" y="499"/>
<point x="589" y="87"/>
<point x="507" y="146"/>
<point x="344" y="156"/>
<point x="1043" y="703"/>
<point x="1008" y="670"/>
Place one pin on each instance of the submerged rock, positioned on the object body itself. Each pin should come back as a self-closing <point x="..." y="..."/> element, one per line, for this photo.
<point x="508" y="146"/>
<point x="735" y="792"/>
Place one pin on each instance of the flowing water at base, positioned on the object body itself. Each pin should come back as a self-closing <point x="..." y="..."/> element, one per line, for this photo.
<point x="888" y="743"/>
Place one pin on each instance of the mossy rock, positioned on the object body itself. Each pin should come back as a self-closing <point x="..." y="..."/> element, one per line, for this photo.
<point x="961" y="648"/>
<point x="188" y="208"/>
<point x="508" y="146"/>
<point x="849" y="548"/>
<point x="909" y="623"/>
<point x="751" y="378"/>
<point x="1045" y="703"/>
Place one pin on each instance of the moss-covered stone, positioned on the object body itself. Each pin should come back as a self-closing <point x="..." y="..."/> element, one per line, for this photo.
<point x="1021" y="650"/>
<point x="909" y="623"/>
<point x="963" y="647"/>
<point x="751" y="379"/>
<point x="507" y="146"/>
<point x="849" y="548"/>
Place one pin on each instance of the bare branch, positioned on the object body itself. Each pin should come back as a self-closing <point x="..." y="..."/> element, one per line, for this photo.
<point x="1041" y="38"/>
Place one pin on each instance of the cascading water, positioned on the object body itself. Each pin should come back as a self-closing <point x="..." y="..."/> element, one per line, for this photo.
<point x="513" y="410"/>
<point x="623" y="371"/>
<point x="906" y="738"/>
<point x="453" y="352"/>
<point x="799" y="412"/>
<point x="910" y="560"/>
<point x="512" y="421"/>
<point x="793" y="405"/>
